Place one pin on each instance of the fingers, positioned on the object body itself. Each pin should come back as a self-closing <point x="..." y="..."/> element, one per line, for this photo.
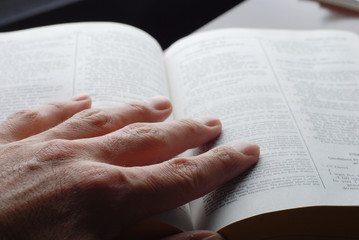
<point x="97" y="122"/>
<point x="26" y="123"/>
<point x="144" y="144"/>
<point x="170" y="184"/>
<point x="195" y="235"/>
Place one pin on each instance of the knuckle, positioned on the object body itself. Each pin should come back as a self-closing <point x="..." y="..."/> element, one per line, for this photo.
<point x="223" y="151"/>
<point x="7" y="151"/>
<point x="55" y="150"/>
<point x="110" y="148"/>
<point x="132" y="128"/>
<point x="148" y="138"/>
<point x="225" y="155"/>
<point x="146" y="135"/>
<point x="31" y="116"/>
<point x="138" y="108"/>
<point x="96" y="118"/>
<point x="186" y="171"/>
<point x="226" y="151"/>
<point x="59" y="106"/>
<point x="72" y="124"/>
<point x="189" y="125"/>
<point x="88" y="176"/>
<point x="99" y="178"/>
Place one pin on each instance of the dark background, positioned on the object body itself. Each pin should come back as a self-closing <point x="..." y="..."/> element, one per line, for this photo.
<point x="166" y="20"/>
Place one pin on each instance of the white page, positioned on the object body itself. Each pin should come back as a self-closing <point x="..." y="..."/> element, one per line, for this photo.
<point x="119" y="64"/>
<point x="112" y="62"/>
<point x="36" y="66"/>
<point x="241" y="76"/>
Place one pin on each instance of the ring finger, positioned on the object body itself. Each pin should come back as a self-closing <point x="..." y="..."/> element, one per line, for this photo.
<point x="97" y="122"/>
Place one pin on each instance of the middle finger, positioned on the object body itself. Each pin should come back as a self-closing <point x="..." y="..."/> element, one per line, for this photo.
<point x="149" y="143"/>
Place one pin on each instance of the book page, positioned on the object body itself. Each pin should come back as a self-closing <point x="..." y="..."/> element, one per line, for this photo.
<point x="112" y="62"/>
<point x="118" y="65"/>
<point x="36" y="67"/>
<point x="293" y="93"/>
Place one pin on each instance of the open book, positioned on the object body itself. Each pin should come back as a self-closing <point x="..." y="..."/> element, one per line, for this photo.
<point x="295" y="93"/>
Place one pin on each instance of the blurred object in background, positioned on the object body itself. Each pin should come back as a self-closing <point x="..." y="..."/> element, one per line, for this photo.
<point x="166" y="20"/>
<point x="16" y="10"/>
<point x="348" y="4"/>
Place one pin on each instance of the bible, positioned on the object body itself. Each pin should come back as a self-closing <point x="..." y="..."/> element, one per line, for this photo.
<point x="294" y="93"/>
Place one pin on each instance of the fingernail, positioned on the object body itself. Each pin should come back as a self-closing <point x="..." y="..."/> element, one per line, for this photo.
<point x="210" y="121"/>
<point x="160" y="103"/>
<point x="80" y="97"/>
<point x="213" y="237"/>
<point x="247" y="148"/>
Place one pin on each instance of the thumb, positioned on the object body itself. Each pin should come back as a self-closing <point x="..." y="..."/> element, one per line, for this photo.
<point x="195" y="235"/>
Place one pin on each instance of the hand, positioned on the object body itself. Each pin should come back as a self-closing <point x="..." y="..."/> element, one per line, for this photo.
<point x="68" y="171"/>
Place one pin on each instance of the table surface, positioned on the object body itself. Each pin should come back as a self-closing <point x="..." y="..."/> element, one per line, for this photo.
<point x="286" y="14"/>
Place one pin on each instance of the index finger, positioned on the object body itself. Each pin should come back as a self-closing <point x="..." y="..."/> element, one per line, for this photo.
<point x="175" y="182"/>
